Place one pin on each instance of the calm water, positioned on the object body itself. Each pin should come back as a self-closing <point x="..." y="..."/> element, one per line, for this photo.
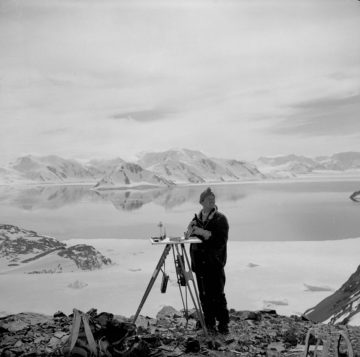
<point x="256" y="211"/>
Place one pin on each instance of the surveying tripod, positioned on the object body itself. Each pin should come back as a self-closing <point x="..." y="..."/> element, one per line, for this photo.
<point x="183" y="273"/>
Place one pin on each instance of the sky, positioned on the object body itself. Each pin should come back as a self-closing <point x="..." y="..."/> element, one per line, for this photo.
<point x="234" y="79"/>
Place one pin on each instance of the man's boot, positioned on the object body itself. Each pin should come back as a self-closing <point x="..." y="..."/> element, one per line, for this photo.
<point x="224" y="320"/>
<point x="223" y="328"/>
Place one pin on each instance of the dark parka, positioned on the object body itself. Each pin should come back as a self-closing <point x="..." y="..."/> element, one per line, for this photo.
<point x="208" y="260"/>
<point x="211" y="253"/>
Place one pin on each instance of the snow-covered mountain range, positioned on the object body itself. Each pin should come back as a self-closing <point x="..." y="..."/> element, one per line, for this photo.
<point x="181" y="166"/>
<point x="189" y="166"/>
<point x="294" y="165"/>
<point x="24" y="251"/>
<point x="155" y="169"/>
<point x="342" y="307"/>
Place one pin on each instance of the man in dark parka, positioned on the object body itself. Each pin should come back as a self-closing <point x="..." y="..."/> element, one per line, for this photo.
<point x="208" y="260"/>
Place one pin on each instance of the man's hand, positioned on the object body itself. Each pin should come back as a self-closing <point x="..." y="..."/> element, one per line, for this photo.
<point x="201" y="232"/>
<point x="191" y="225"/>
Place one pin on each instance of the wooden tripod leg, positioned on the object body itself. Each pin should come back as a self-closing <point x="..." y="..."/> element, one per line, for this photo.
<point x="189" y="276"/>
<point x="152" y="279"/>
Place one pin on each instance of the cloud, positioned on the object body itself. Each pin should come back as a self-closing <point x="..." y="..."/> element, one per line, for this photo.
<point x="143" y="115"/>
<point x="58" y="131"/>
<point x="323" y="116"/>
<point x="125" y="76"/>
<point x="329" y="103"/>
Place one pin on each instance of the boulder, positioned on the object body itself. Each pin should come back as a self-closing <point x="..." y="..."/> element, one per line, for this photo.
<point x="168" y="312"/>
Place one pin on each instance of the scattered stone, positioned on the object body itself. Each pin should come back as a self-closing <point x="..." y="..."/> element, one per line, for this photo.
<point x="168" y="312"/>
<point x="145" y="322"/>
<point x="261" y="333"/>
<point x="290" y="337"/>
<point x="18" y="344"/>
<point x="230" y="340"/>
<point x="54" y="342"/>
<point x="251" y="315"/>
<point x="269" y="312"/>
<point x="60" y="334"/>
<point x="59" y="315"/>
<point x="192" y="345"/>
<point x="277" y="346"/>
<point x="15" y="326"/>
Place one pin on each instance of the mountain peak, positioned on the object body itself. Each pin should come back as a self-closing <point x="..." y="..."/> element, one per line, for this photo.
<point x="23" y="163"/>
<point x="148" y="159"/>
<point x="192" y="166"/>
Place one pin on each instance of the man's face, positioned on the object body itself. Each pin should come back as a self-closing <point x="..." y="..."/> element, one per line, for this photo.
<point x="209" y="202"/>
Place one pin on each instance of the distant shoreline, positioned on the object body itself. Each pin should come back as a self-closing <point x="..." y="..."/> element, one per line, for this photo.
<point x="315" y="177"/>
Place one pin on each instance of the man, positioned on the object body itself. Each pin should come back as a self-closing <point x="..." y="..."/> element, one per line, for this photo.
<point x="208" y="260"/>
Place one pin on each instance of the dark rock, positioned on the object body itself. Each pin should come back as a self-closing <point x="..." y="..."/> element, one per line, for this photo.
<point x="213" y="344"/>
<point x="142" y="330"/>
<point x="86" y="257"/>
<point x="268" y="312"/>
<point x="8" y="353"/>
<point x="153" y="340"/>
<point x="59" y="314"/>
<point x="192" y="314"/>
<point x="290" y="337"/>
<point x="92" y="313"/>
<point x="251" y="315"/>
<point x="230" y="340"/>
<point x="115" y="331"/>
<point x="138" y="349"/>
<point x="104" y="318"/>
<point x="192" y="345"/>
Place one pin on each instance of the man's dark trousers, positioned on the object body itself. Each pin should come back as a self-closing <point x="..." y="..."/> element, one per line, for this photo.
<point x="211" y="285"/>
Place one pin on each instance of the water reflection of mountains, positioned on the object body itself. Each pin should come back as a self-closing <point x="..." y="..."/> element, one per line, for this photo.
<point x="55" y="197"/>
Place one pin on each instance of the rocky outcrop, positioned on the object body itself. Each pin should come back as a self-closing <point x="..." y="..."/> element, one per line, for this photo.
<point x="86" y="257"/>
<point x="342" y="307"/>
<point x="17" y="243"/>
<point x="24" y="251"/>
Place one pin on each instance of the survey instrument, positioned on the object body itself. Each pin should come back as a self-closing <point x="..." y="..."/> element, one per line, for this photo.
<point x="185" y="278"/>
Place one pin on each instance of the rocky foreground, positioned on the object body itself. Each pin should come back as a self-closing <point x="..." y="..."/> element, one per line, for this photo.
<point x="261" y="333"/>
